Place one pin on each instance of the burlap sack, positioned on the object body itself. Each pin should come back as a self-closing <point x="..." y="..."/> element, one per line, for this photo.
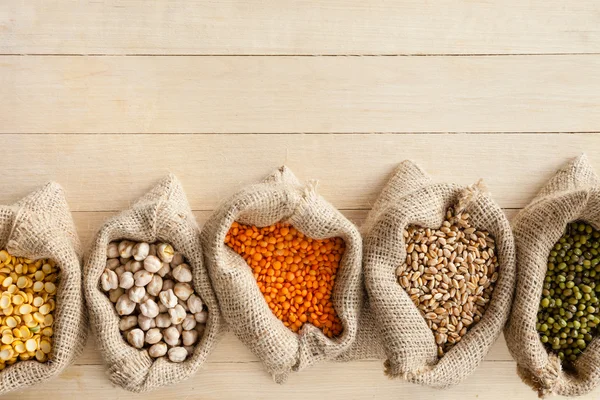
<point x="282" y="198"/>
<point x="572" y="194"/>
<point x="163" y="214"/>
<point x="411" y="198"/>
<point x="40" y="226"/>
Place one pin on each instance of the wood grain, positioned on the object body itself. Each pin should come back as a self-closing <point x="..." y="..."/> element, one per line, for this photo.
<point x="107" y="97"/>
<point x="108" y="172"/>
<point x="230" y="349"/>
<point x="299" y="94"/>
<point x="299" y="27"/>
<point x="354" y="380"/>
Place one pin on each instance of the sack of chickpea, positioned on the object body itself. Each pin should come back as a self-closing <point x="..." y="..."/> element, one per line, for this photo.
<point x="151" y="303"/>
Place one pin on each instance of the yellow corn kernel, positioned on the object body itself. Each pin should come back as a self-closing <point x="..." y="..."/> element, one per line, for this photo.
<point x="19" y="346"/>
<point x="6" y="354"/>
<point x="7" y="338"/>
<point x="38" y="317"/>
<point x="27" y="290"/>
<point x="45" y="309"/>
<point x="25" y="309"/>
<point x="47" y="268"/>
<point x="4" y="256"/>
<point x="48" y="320"/>
<point x="45" y="346"/>
<point x="41" y="356"/>
<point x="32" y="325"/>
<point x="5" y="300"/>
<point x="25" y="331"/>
<point x="17" y="299"/>
<point x="11" y="322"/>
<point x="22" y="282"/>
<point x="50" y="287"/>
<point x="38" y="286"/>
<point x="31" y="345"/>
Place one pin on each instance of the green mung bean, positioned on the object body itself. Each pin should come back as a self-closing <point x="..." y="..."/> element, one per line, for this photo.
<point x="568" y="316"/>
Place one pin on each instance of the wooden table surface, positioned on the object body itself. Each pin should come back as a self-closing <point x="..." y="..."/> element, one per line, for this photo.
<point x="106" y="97"/>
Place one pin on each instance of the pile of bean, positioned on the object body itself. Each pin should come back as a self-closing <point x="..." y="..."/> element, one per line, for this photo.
<point x="27" y="302"/>
<point x="449" y="274"/>
<point x="150" y="285"/>
<point x="567" y="319"/>
<point x="295" y="273"/>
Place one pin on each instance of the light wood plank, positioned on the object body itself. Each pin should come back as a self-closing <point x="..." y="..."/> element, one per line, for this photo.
<point x="230" y="349"/>
<point x="292" y="27"/>
<point x="299" y="94"/>
<point x="108" y="172"/>
<point x="89" y="223"/>
<point x="355" y="380"/>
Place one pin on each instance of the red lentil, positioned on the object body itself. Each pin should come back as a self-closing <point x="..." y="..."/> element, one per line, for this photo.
<point x="295" y="273"/>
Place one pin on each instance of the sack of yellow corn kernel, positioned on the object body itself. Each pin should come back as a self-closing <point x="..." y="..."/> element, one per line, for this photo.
<point x="41" y="294"/>
<point x="163" y="215"/>
<point x="429" y="310"/>
<point x="572" y="194"/>
<point x="296" y="332"/>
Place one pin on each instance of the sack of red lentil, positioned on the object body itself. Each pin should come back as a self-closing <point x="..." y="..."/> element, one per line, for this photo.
<point x="162" y="215"/>
<point x="40" y="227"/>
<point x="281" y="199"/>
<point x="573" y="194"/>
<point x="443" y="270"/>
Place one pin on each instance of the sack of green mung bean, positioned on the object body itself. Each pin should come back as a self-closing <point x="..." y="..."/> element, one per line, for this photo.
<point x="165" y="319"/>
<point x="281" y="199"/>
<point x="439" y="265"/>
<point x="553" y="319"/>
<point x="39" y="234"/>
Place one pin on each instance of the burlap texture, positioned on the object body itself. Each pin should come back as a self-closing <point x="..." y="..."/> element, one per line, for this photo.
<point x="411" y="198"/>
<point x="572" y="194"/>
<point x="163" y="214"/>
<point x="281" y="198"/>
<point x="40" y="226"/>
